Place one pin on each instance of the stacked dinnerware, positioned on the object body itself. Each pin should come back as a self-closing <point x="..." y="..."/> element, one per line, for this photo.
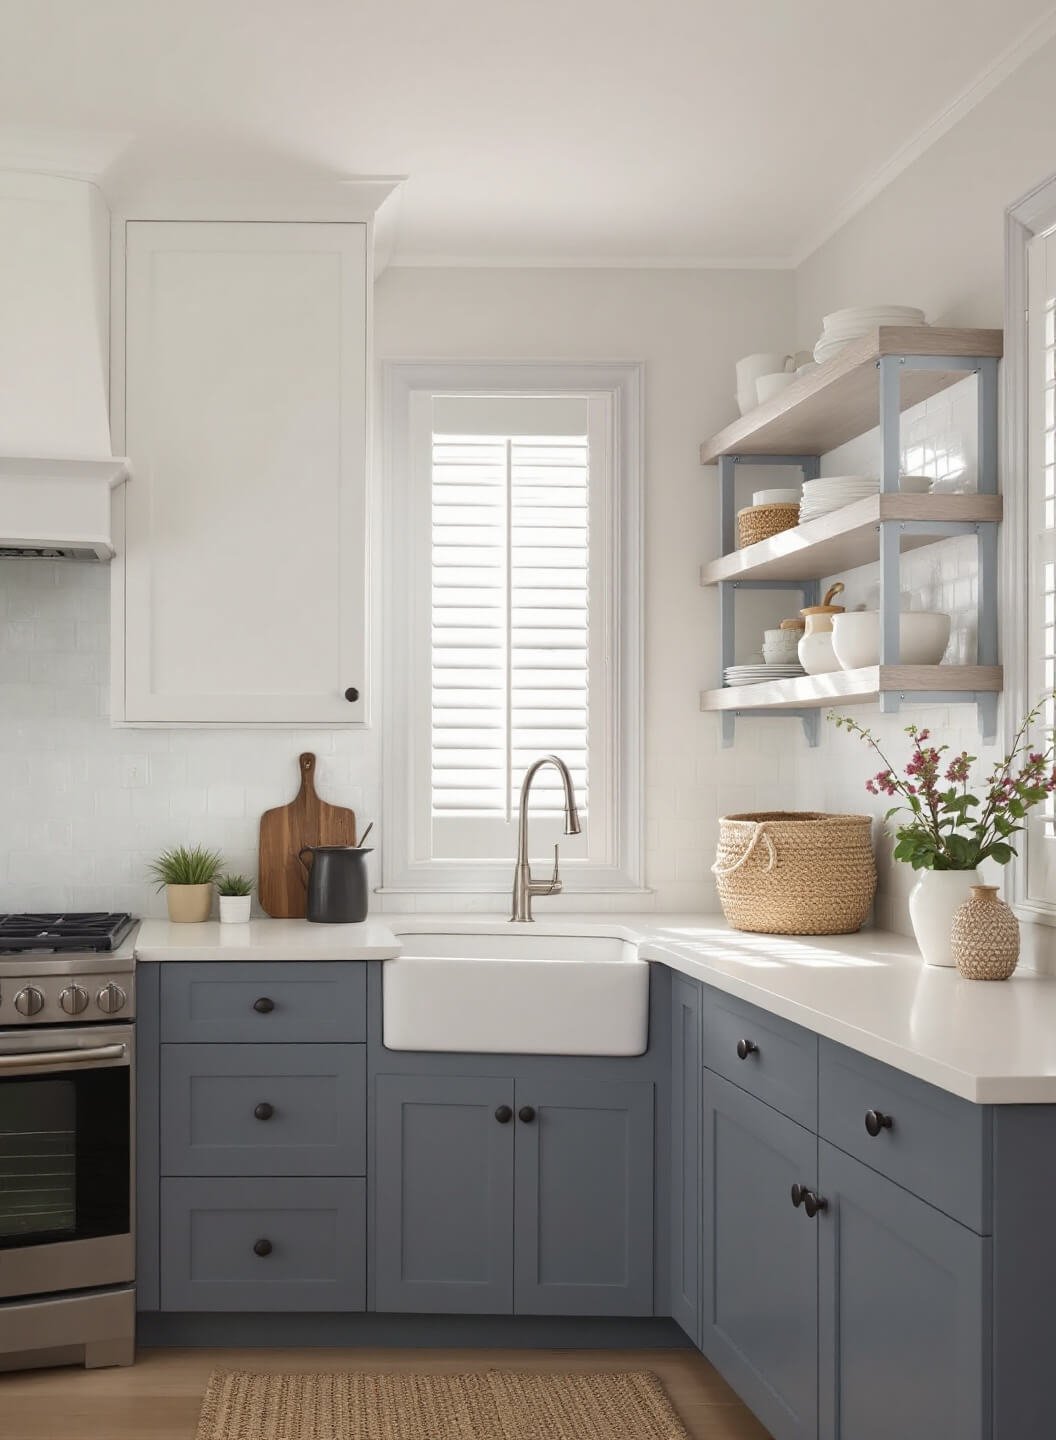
<point x="843" y="326"/>
<point x="756" y="674"/>
<point x="833" y="492"/>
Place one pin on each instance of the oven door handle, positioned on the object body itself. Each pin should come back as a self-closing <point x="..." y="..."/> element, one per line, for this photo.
<point x="88" y="1056"/>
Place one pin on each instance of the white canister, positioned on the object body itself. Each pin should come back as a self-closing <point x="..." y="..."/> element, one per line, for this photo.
<point x="816" y="654"/>
<point x="933" y="902"/>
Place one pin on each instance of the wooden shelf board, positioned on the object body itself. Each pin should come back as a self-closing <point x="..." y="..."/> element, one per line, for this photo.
<point x="858" y="687"/>
<point x="846" y="538"/>
<point x="840" y="400"/>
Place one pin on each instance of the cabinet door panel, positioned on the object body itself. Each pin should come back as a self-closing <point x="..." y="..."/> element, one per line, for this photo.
<point x="443" y="1195"/>
<point x="584" y="1199"/>
<point x="904" y="1295"/>
<point x="759" y="1321"/>
<point x="685" y="1154"/>
<point x="245" y="385"/>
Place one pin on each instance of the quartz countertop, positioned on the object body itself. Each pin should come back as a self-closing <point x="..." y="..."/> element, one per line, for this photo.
<point x="991" y="1043"/>
<point x="265" y="939"/>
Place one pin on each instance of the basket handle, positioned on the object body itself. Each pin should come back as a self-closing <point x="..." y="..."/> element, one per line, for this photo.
<point x="760" y="834"/>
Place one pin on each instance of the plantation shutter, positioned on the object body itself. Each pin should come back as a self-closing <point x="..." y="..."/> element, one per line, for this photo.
<point x="510" y="619"/>
<point x="1041" y="541"/>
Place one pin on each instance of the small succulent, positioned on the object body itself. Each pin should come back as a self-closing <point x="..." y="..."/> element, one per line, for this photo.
<point x="186" y="865"/>
<point x="234" y="885"/>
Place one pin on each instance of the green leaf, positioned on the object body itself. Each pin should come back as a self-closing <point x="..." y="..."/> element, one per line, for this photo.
<point x="1001" y="853"/>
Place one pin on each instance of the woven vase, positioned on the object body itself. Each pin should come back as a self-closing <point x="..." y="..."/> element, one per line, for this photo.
<point x="985" y="936"/>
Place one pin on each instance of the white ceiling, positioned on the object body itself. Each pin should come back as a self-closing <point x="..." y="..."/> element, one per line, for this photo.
<point x="587" y="131"/>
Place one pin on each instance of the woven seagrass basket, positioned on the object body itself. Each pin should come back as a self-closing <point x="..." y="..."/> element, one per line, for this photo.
<point x="787" y="872"/>
<point x="759" y="522"/>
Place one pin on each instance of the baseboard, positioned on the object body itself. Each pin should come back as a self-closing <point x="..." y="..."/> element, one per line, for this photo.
<point x="528" y="1332"/>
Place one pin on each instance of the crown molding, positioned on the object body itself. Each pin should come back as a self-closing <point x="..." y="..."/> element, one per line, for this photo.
<point x="940" y="124"/>
<point x="427" y="261"/>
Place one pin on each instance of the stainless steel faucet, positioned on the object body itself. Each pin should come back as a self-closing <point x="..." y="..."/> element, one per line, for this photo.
<point x="524" y="887"/>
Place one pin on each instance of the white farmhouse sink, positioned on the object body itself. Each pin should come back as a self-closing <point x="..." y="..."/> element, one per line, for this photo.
<point x="516" y="993"/>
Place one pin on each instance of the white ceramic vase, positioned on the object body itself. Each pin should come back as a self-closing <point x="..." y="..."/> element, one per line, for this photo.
<point x="933" y="902"/>
<point x="234" y="909"/>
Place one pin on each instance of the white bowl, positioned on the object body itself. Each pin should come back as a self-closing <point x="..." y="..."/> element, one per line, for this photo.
<point x="776" y="497"/>
<point x="915" y="484"/>
<point x="861" y="318"/>
<point x="924" y="635"/>
<point x="767" y="386"/>
<point x="748" y="369"/>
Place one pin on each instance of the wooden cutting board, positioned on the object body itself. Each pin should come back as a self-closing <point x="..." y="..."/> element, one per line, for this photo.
<point x="307" y="820"/>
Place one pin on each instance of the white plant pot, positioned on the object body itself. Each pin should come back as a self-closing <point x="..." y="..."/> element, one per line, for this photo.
<point x="933" y="902"/>
<point x="234" y="909"/>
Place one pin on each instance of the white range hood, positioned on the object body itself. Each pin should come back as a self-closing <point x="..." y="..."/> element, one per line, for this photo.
<point x="56" y="466"/>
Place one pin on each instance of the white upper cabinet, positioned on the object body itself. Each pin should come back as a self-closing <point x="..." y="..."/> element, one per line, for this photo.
<point x="241" y="593"/>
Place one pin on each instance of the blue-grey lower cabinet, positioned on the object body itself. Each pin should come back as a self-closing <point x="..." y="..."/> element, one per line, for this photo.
<point x="443" y="1178"/>
<point x="499" y="1195"/>
<point x="759" y="1272"/>
<point x="904" y="1291"/>
<point x="583" y="1207"/>
<point x="685" y="1154"/>
<point x="268" y="1245"/>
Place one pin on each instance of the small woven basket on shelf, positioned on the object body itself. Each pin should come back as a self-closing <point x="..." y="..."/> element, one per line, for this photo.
<point x="759" y="522"/>
<point x="787" y="872"/>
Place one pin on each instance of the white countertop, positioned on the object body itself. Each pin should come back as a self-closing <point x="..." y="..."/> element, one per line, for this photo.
<point x="991" y="1043"/>
<point x="265" y="940"/>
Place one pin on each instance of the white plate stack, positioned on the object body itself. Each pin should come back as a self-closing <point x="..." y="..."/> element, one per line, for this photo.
<point x="833" y="492"/>
<point x="757" y="674"/>
<point x="843" y="326"/>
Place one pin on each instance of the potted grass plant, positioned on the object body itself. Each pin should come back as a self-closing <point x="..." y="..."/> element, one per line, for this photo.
<point x="187" y="874"/>
<point x="235" y="893"/>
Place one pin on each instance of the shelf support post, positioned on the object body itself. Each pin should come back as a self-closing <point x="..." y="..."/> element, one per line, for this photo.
<point x="986" y="402"/>
<point x="727" y="516"/>
<point x="890" y="378"/>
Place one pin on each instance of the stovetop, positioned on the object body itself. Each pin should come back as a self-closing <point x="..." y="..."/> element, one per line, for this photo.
<point x="81" y="932"/>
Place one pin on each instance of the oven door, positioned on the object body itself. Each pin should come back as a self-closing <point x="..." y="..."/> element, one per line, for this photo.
<point x="65" y="1159"/>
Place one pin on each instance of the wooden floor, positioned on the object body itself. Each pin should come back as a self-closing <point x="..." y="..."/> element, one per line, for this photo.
<point x="158" y="1398"/>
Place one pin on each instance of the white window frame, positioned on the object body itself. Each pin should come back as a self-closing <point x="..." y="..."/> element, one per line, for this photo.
<point x="1032" y="215"/>
<point x="407" y="385"/>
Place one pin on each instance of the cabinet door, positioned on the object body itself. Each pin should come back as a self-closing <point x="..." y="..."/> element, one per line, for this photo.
<point x="584" y="1198"/>
<point x="245" y="398"/>
<point x="759" y="1322"/>
<point x="904" y="1296"/>
<point x="685" y="1154"/>
<point x="443" y="1197"/>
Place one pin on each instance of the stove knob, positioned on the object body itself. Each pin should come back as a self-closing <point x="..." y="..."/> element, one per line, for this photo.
<point x="74" y="1000"/>
<point x="111" y="998"/>
<point x="29" y="1001"/>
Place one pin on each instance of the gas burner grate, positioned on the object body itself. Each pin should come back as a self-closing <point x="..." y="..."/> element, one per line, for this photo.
<point x="97" y="930"/>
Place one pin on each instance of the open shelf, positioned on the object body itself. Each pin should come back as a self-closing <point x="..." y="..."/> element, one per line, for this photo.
<point x="840" y="400"/>
<point x="856" y="687"/>
<point x="849" y="537"/>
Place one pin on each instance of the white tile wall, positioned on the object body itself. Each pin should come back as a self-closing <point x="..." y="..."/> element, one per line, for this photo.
<point x="939" y="439"/>
<point x="85" y="806"/>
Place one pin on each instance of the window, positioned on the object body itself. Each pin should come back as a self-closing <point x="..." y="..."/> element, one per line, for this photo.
<point x="512" y="628"/>
<point x="1041" y="530"/>
<point x="1029" y="547"/>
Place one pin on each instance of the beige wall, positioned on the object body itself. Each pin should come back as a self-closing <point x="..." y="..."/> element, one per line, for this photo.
<point x="688" y="326"/>
<point x="935" y="236"/>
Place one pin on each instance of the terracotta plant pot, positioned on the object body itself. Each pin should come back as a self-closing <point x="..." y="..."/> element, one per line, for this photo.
<point x="985" y="936"/>
<point x="189" y="904"/>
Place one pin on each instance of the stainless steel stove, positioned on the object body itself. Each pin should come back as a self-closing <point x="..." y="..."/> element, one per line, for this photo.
<point x="67" y="1051"/>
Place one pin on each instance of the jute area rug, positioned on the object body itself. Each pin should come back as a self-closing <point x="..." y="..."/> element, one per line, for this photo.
<point x="489" y="1405"/>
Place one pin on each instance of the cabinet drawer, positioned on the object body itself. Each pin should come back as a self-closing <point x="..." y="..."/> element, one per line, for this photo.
<point x="263" y="1109"/>
<point x="936" y="1145"/>
<point x="780" y="1063"/>
<point x="260" y="1245"/>
<point x="232" y="1001"/>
